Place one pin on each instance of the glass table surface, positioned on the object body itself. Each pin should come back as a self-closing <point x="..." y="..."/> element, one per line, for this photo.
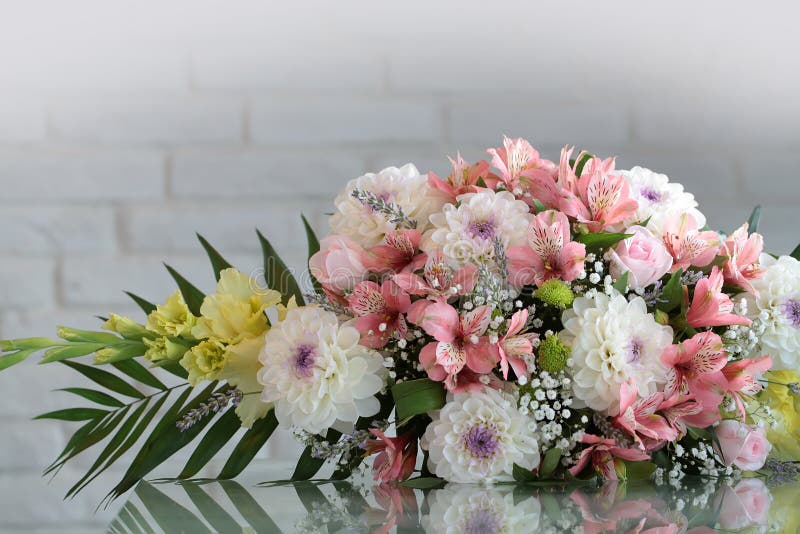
<point x="697" y="506"/>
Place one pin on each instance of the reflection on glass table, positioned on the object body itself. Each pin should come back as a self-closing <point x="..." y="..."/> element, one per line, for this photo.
<point x="698" y="506"/>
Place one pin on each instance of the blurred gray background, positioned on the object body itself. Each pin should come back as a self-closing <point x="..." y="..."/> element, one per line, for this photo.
<point x="127" y="126"/>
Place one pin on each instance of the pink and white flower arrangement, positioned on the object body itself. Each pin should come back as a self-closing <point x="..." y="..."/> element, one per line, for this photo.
<point x="520" y="319"/>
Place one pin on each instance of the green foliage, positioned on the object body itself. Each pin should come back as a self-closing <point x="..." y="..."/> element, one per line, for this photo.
<point x="218" y="263"/>
<point x="550" y="462"/>
<point x="753" y="220"/>
<point x="313" y="248"/>
<point x="583" y="159"/>
<point x="672" y="294"/>
<point x="416" y="397"/>
<point x="191" y="295"/>
<point x="277" y="275"/>
<point x="601" y="240"/>
<point x="307" y="465"/>
<point x="796" y="253"/>
<point x="621" y="283"/>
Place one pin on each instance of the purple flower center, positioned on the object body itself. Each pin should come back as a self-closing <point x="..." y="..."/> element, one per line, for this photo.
<point x="650" y="194"/>
<point x="303" y="362"/>
<point x="482" y="521"/>
<point x="481" y="230"/>
<point x="635" y="350"/>
<point x="480" y="442"/>
<point x="791" y="308"/>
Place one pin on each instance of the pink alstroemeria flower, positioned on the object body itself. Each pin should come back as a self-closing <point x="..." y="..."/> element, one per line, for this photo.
<point x="688" y="245"/>
<point x="398" y="251"/>
<point x="742" y="251"/>
<point x="549" y="254"/>
<point x="460" y="345"/>
<point x="464" y="178"/>
<point x="743" y="377"/>
<point x="598" y="198"/>
<point x="520" y="165"/>
<point x="396" y="456"/>
<point x="439" y="281"/>
<point x="379" y="312"/>
<point x="691" y="367"/>
<point x="638" y="417"/>
<point x="710" y="306"/>
<point x="605" y="456"/>
<point x="513" y="346"/>
<point x="680" y="411"/>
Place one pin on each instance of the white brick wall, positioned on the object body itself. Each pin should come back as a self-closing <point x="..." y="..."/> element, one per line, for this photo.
<point x="127" y="126"/>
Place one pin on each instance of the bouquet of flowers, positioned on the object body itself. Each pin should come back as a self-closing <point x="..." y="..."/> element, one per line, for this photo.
<point x="519" y="320"/>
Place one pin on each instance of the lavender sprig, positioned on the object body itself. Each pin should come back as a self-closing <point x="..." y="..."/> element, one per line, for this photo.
<point x="653" y="296"/>
<point x="393" y="212"/>
<point x="215" y="404"/>
<point x="794" y="387"/>
<point x="500" y="258"/>
<point x="325" y="303"/>
<point x="780" y="472"/>
<point x="691" y="278"/>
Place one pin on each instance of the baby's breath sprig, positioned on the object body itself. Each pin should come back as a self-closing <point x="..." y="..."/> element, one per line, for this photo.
<point x="393" y="212"/>
<point x="215" y="404"/>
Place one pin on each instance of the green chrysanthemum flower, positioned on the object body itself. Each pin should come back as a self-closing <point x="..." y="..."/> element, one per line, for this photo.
<point x="556" y="293"/>
<point x="553" y="354"/>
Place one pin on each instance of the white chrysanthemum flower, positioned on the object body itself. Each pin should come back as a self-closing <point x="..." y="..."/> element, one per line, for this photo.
<point x="659" y="199"/>
<point x="472" y="509"/>
<point x="777" y="308"/>
<point x="478" y="437"/>
<point x="466" y="233"/>
<point x="613" y="341"/>
<point x="317" y="373"/>
<point x="404" y="187"/>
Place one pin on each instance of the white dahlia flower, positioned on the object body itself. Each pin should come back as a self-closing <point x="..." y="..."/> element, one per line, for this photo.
<point x="659" y="199"/>
<point x="478" y="437"/>
<point x="466" y="233"/>
<point x="404" y="187"/>
<point x="317" y="373"/>
<point x="777" y="308"/>
<point x="613" y="341"/>
<point x="471" y="509"/>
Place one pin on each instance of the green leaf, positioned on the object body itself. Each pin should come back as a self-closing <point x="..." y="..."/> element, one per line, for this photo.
<point x="672" y="293"/>
<point x="600" y="241"/>
<point x="96" y="434"/>
<point x="423" y="483"/>
<point x="106" y="379"/>
<point x="796" y="253"/>
<point x="308" y="466"/>
<point x="74" y="414"/>
<point x="35" y="343"/>
<point x="13" y="358"/>
<point x="212" y="512"/>
<point x="639" y="470"/>
<point x="277" y="275"/>
<point x="174" y="368"/>
<point x="165" y="439"/>
<point x="146" y="306"/>
<point x="73" y="350"/>
<point x="311" y="497"/>
<point x="621" y="284"/>
<point x="522" y="474"/>
<point x="191" y="295"/>
<point x="313" y="248"/>
<point x="249" y="445"/>
<point x="249" y="508"/>
<point x="551" y="459"/>
<point x="414" y="397"/>
<point x="583" y="159"/>
<point x="753" y="220"/>
<point x="139" y="372"/>
<point x="170" y="516"/>
<point x="218" y="263"/>
<point x="95" y="396"/>
<point x="217" y="436"/>
<point x="109" y="449"/>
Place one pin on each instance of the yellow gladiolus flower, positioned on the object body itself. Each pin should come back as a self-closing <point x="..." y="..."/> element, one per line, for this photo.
<point x="204" y="361"/>
<point x="785" y="406"/>
<point x="173" y="318"/>
<point x="164" y="348"/>
<point x="236" y="311"/>
<point x="127" y="328"/>
<point x="241" y="371"/>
